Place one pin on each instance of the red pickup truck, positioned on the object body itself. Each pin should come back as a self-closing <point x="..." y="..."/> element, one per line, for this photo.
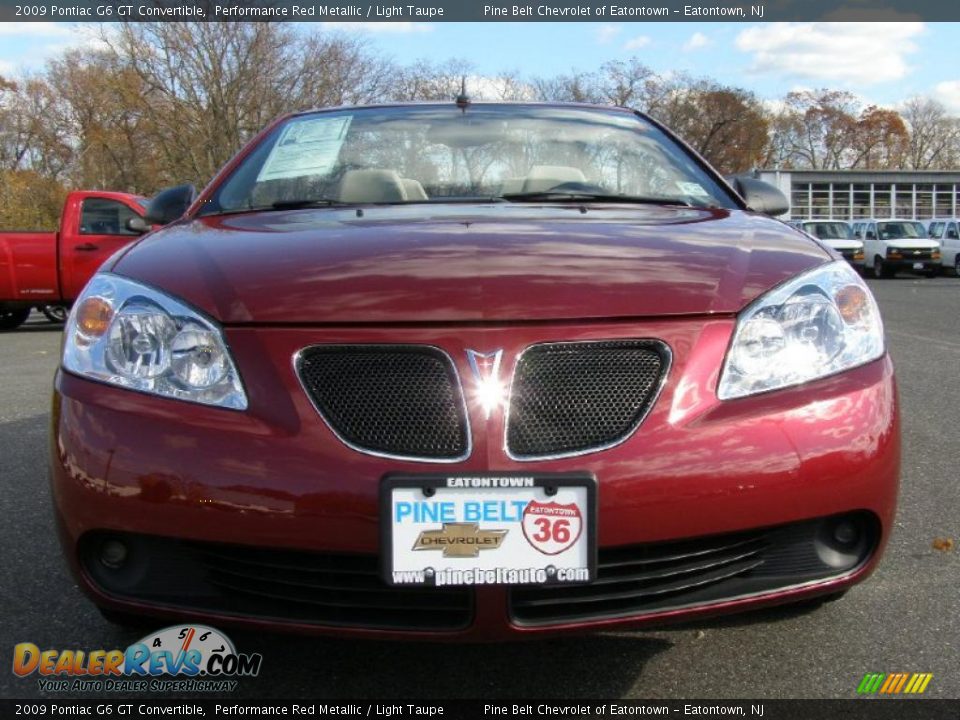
<point x="51" y="268"/>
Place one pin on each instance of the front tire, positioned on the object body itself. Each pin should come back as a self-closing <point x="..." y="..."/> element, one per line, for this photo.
<point x="880" y="269"/>
<point x="12" y="318"/>
<point x="55" y="313"/>
<point x="956" y="265"/>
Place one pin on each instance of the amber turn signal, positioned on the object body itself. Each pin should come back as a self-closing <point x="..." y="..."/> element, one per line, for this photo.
<point x="93" y="317"/>
<point x="852" y="303"/>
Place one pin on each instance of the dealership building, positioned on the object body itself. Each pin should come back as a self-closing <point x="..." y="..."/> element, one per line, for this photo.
<point x="855" y="194"/>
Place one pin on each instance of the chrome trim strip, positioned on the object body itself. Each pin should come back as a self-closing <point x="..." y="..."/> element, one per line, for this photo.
<point x="655" y="395"/>
<point x="376" y="453"/>
<point x="597" y="619"/>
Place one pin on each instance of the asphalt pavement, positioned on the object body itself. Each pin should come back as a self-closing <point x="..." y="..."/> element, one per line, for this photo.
<point x="903" y="619"/>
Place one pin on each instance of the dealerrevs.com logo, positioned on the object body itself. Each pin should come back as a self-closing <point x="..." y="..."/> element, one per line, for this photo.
<point x="180" y="658"/>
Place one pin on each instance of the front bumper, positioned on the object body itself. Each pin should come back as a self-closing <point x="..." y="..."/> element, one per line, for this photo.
<point x="854" y="257"/>
<point x="911" y="264"/>
<point x="272" y="489"/>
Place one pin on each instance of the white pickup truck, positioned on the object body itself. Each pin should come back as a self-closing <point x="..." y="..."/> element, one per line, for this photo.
<point x="893" y="245"/>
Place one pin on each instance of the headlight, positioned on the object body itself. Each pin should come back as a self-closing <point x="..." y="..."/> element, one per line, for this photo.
<point x="126" y="334"/>
<point x="820" y="323"/>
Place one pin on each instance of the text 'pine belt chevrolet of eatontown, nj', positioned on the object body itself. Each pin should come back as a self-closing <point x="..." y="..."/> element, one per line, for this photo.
<point x="471" y="371"/>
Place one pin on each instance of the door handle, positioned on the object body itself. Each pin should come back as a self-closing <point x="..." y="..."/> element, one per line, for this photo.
<point x="87" y="247"/>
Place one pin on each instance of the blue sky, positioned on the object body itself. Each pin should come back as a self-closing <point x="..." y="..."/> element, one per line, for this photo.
<point x="884" y="63"/>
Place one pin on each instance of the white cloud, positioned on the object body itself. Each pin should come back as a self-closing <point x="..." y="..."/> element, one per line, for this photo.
<point x="640" y="41"/>
<point x="852" y="53"/>
<point x="948" y="92"/>
<point x="606" y="33"/>
<point x="379" y="27"/>
<point x="44" y="41"/>
<point x="697" y="40"/>
<point x="492" y="87"/>
<point x="37" y="29"/>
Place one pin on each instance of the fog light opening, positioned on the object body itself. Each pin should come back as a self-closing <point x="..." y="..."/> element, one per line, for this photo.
<point x="844" y="542"/>
<point x="113" y="554"/>
<point x="846" y="533"/>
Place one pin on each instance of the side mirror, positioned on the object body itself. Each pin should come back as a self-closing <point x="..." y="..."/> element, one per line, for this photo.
<point x="760" y="196"/>
<point x="170" y="204"/>
<point x="138" y="225"/>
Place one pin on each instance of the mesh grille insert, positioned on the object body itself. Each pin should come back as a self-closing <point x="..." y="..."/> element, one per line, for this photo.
<point x="576" y="397"/>
<point x="396" y="400"/>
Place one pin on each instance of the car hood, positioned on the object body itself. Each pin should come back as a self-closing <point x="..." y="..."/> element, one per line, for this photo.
<point x="912" y="243"/>
<point x="843" y="244"/>
<point x="456" y="263"/>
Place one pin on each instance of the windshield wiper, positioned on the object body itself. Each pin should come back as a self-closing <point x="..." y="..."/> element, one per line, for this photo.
<point x="580" y="196"/>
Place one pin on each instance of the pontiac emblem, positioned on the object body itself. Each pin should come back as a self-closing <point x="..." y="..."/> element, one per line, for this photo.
<point x="460" y="540"/>
<point x="486" y="373"/>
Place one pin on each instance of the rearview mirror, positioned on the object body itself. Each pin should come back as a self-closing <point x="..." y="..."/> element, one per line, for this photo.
<point x="760" y="196"/>
<point x="170" y="204"/>
<point x="138" y="225"/>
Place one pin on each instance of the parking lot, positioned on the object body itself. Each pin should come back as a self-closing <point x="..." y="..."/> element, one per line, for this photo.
<point x="902" y="619"/>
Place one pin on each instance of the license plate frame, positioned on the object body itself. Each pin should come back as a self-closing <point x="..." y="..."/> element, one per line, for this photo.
<point x="544" y="490"/>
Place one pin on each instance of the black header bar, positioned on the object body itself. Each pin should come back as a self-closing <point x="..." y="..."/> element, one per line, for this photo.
<point x="854" y="709"/>
<point x="480" y="10"/>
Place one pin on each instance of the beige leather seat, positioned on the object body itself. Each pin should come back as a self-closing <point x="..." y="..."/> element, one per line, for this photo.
<point x="512" y="185"/>
<point x="379" y="186"/>
<point x="371" y="186"/>
<point x="544" y="177"/>
<point x="413" y="189"/>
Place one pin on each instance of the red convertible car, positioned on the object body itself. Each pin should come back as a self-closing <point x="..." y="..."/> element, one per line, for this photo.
<point x="471" y="371"/>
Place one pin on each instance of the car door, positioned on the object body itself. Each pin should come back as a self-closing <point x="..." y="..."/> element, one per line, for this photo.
<point x="870" y="243"/>
<point x="102" y="231"/>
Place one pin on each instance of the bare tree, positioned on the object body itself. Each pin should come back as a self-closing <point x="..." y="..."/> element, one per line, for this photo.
<point x="934" y="135"/>
<point x="727" y="125"/>
<point x="879" y="139"/>
<point x="817" y="126"/>
<point x="224" y="81"/>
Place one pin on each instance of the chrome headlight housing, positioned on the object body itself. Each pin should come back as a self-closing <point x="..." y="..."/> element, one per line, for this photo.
<point x="127" y="334"/>
<point x="819" y="323"/>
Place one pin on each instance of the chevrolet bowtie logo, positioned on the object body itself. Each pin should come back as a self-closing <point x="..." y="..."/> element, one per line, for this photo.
<point x="460" y="540"/>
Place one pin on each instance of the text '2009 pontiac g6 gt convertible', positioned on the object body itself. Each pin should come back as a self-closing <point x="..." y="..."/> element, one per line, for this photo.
<point x="471" y="371"/>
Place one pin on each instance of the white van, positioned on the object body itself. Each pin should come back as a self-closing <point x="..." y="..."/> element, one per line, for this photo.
<point x="893" y="245"/>
<point x="947" y="233"/>
<point x="838" y="235"/>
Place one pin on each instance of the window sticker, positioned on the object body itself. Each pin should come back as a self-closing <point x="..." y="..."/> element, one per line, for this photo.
<point x="306" y="147"/>
<point x="692" y="188"/>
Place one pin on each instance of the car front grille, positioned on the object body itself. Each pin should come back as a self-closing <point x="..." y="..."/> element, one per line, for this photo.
<point x="916" y="255"/>
<point x="641" y="579"/>
<point x="392" y="400"/>
<point x="325" y="589"/>
<point x="572" y="398"/>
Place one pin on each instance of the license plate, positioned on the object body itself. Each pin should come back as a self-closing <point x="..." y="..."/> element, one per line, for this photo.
<point x="918" y="266"/>
<point x="489" y="529"/>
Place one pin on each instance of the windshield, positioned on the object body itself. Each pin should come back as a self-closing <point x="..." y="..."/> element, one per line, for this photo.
<point x="899" y="230"/>
<point x="442" y="154"/>
<point x="829" y="230"/>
